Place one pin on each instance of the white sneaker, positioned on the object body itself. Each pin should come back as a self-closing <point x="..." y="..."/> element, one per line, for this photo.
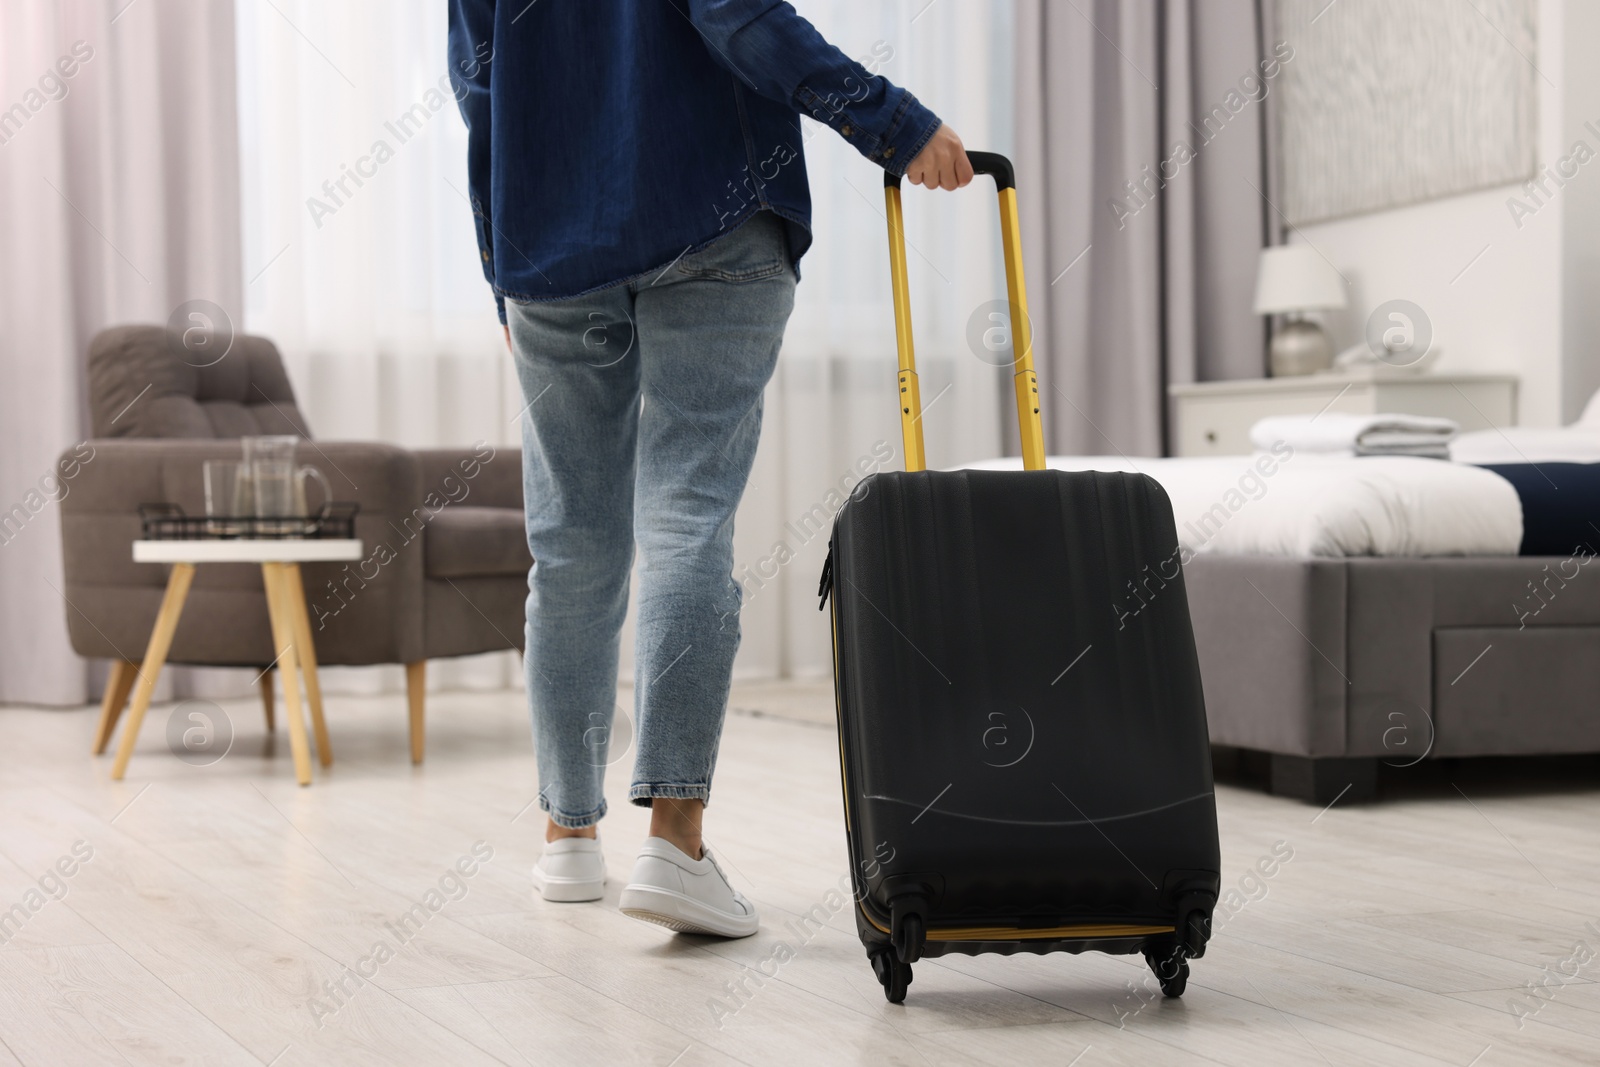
<point x="690" y="896"/>
<point x="571" y="869"/>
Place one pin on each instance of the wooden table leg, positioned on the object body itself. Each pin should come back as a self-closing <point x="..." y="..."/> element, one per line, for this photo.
<point x="273" y="577"/>
<point x="154" y="656"/>
<point x="307" y="652"/>
<point x="118" y="685"/>
<point x="267" y="700"/>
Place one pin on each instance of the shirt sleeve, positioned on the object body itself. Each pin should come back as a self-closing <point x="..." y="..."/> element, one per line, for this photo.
<point x="768" y="46"/>
<point x="471" y="50"/>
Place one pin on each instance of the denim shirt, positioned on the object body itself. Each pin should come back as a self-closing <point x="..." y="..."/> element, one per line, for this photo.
<point x="607" y="138"/>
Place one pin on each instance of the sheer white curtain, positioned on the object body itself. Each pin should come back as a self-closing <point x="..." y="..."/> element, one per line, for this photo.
<point x="373" y="290"/>
<point x="359" y="252"/>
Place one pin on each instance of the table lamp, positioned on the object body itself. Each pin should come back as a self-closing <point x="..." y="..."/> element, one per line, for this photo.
<point x="1290" y="280"/>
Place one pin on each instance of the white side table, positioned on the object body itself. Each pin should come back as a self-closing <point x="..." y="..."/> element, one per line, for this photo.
<point x="291" y="631"/>
<point x="1214" y="418"/>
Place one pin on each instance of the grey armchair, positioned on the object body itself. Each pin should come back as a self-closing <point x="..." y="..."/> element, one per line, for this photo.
<point x="446" y="559"/>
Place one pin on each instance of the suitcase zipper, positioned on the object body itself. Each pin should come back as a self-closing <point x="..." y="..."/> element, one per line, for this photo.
<point x="825" y="585"/>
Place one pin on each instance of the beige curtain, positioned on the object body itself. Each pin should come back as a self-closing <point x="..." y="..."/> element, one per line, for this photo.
<point x="1140" y="129"/>
<point x="118" y="202"/>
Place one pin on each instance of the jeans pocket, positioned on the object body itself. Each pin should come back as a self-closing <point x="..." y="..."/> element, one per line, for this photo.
<point x="756" y="250"/>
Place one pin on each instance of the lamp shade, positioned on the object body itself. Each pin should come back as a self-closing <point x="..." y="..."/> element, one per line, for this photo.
<point x="1296" y="278"/>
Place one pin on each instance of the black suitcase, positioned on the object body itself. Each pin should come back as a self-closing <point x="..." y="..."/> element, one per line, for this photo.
<point x="1023" y="739"/>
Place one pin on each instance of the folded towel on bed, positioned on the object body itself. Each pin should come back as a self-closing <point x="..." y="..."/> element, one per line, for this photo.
<point x="1384" y="443"/>
<point x="1387" y="434"/>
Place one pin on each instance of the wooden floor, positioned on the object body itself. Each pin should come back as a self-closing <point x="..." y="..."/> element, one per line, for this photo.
<point x="224" y="915"/>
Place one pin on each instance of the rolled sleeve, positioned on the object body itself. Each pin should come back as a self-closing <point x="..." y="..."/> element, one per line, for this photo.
<point x="892" y="142"/>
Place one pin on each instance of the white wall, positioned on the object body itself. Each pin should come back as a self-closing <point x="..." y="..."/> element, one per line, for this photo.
<point x="1493" y="291"/>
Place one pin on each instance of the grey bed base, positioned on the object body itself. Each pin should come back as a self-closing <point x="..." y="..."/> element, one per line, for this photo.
<point x="1332" y="666"/>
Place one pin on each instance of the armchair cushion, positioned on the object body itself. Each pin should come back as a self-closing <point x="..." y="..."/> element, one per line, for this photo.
<point x="492" y="476"/>
<point x="143" y="384"/>
<point x="471" y="542"/>
<point x="478" y="532"/>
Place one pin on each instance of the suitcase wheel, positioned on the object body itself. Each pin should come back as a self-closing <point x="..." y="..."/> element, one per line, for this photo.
<point x="1171" y="967"/>
<point x="907" y="938"/>
<point x="893" y="975"/>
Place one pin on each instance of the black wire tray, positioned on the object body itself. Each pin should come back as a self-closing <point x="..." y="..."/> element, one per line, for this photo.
<point x="335" y="520"/>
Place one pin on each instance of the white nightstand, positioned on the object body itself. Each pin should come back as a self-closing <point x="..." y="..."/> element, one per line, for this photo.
<point x="1214" y="418"/>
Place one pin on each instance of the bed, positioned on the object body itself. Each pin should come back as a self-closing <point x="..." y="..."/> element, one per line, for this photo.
<point x="1352" y="612"/>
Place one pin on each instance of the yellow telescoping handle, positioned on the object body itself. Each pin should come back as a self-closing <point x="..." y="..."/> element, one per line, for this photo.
<point x="1025" y="381"/>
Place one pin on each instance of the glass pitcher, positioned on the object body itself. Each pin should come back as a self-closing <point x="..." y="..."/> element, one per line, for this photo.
<point x="279" y="485"/>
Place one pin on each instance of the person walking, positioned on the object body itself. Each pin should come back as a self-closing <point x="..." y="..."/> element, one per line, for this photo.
<point x="639" y="190"/>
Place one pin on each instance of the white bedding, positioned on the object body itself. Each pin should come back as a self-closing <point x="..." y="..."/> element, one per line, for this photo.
<point x="1311" y="505"/>
<point x="1529" y="444"/>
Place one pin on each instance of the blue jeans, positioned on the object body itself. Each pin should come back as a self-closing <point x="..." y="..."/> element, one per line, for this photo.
<point x="644" y="409"/>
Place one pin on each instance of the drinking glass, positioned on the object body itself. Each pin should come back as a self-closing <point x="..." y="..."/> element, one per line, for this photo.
<point x="228" y="495"/>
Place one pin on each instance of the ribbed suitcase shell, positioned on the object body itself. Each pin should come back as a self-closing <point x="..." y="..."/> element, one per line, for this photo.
<point x="1022" y="729"/>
